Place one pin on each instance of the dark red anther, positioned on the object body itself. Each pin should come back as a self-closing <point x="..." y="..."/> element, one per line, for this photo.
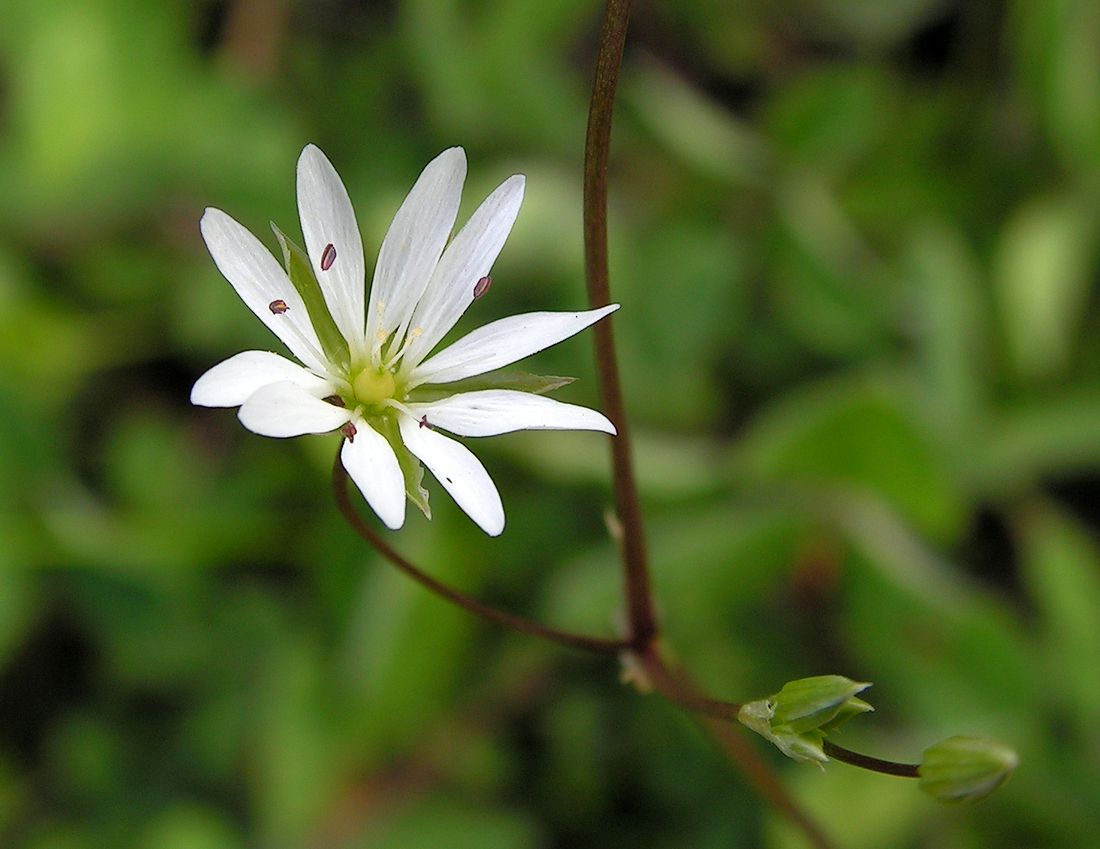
<point x="349" y="431"/>
<point x="482" y="286"/>
<point x="328" y="257"/>
<point x="278" y="306"/>
<point x="425" y="423"/>
<point x="335" y="400"/>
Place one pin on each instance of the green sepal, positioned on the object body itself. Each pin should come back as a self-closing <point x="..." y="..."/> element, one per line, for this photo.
<point x="519" y="381"/>
<point x="300" y="271"/>
<point x="813" y="703"/>
<point x="411" y="468"/>
<point x="807" y="746"/>
<point x="799" y="746"/>
<point x="965" y="769"/>
<point x="851" y="707"/>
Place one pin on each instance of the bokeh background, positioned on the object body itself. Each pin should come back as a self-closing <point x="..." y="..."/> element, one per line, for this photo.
<point x="855" y="244"/>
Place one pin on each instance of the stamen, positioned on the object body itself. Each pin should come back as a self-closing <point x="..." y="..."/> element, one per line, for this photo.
<point x="335" y="400"/>
<point x="380" y="334"/>
<point x="349" y="431"/>
<point x="482" y="286"/>
<point x="392" y="359"/>
<point x="425" y="423"/>
<point x="328" y="257"/>
<point x="278" y="306"/>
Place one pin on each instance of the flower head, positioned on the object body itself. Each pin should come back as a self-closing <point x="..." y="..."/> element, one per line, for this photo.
<point x="965" y="769"/>
<point x="798" y="717"/>
<point x="367" y="362"/>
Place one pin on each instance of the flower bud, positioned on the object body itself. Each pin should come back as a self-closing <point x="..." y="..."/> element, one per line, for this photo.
<point x="797" y="718"/>
<point x="965" y="769"/>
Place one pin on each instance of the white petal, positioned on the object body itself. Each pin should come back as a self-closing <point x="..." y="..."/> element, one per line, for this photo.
<point x="503" y="342"/>
<point x="286" y="409"/>
<point x="259" y="280"/>
<point x="328" y="219"/>
<point x="230" y="382"/>
<point x="468" y="258"/>
<point x="492" y="411"/>
<point x="373" y="466"/>
<point x="414" y="242"/>
<point x="460" y="472"/>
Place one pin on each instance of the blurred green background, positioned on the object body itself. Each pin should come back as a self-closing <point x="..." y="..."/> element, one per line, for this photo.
<point x="855" y="244"/>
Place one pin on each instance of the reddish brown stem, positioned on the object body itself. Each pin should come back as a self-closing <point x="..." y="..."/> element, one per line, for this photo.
<point x="644" y="627"/>
<point x="716" y="717"/>
<point x="870" y="763"/>
<point x="639" y="597"/>
<point x="596" y="645"/>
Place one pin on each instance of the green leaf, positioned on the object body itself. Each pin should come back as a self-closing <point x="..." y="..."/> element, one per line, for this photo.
<point x="300" y="271"/>
<point x="1043" y="273"/>
<point x="858" y="436"/>
<point x="1061" y="567"/>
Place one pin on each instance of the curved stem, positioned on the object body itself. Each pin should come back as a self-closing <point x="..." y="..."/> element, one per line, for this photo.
<point x="870" y="763"/>
<point x="639" y="597"/>
<point x="595" y="645"/>
<point x="674" y="686"/>
<point x="716" y="717"/>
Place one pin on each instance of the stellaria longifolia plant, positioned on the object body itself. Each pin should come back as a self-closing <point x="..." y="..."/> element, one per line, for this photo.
<point x="369" y="369"/>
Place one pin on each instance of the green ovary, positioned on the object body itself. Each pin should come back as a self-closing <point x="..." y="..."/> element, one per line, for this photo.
<point x="372" y="386"/>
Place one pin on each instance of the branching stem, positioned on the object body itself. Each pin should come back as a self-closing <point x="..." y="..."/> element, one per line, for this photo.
<point x="595" y="645"/>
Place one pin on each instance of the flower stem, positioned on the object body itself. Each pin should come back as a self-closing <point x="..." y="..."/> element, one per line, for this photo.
<point x="609" y="54"/>
<point x="870" y="763"/>
<point x="595" y="645"/>
<point x="642" y="616"/>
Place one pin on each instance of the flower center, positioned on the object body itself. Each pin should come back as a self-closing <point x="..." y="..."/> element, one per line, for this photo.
<point x="372" y="386"/>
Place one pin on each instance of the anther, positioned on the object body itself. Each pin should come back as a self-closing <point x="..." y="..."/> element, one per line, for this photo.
<point x="482" y="286"/>
<point x="278" y="306"/>
<point x="425" y="423"/>
<point x="328" y="257"/>
<point x="335" y="400"/>
<point x="349" y="431"/>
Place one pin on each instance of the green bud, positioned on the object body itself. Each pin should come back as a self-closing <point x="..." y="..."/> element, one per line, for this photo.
<point x="965" y="769"/>
<point x="300" y="271"/>
<point x="797" y="718"/>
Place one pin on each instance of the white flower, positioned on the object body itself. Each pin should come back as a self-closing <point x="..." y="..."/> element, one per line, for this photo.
<point x="367" y="364"/>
